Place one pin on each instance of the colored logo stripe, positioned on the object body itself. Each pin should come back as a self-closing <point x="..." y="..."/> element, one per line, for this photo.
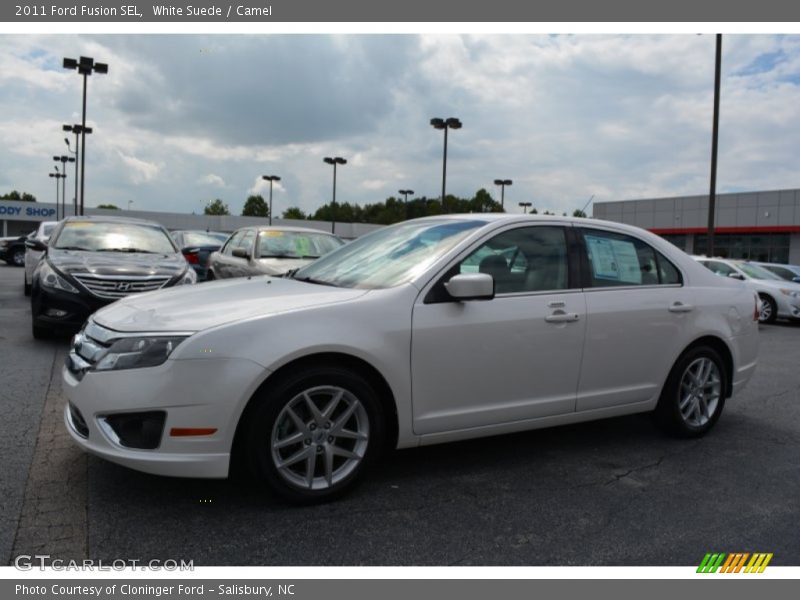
<point x="734" y="562"/>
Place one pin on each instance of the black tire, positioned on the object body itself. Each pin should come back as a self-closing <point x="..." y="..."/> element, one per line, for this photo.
<point x="18" y="257"/>
<point x="668" y="415"/>
<point x="26" y="286"/>
<point x="769" y="309"/>
<point x="266" y="420"/>
<point x="210" y="275"/>
<point x="39" y="332"/>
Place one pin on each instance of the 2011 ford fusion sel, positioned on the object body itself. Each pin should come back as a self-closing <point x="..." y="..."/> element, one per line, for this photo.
<point x="433" y="330"/>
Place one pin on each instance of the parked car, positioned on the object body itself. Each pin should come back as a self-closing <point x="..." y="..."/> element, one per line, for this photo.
<point x="197" y="246"/>
<point x="785" y="272"/>
<point x="269" y="251"/>
<point x="779" y="298"/>
<point x="12" y="250"/>
<point x="93" y="261"/>
<point x="389" y="342"/>
<point x="32" y="256"/>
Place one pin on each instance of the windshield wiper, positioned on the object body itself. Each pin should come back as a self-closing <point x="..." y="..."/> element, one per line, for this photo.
<point x="129" y="250"/>
<point x="315" y="281"/>
<point x="81" y="248"/>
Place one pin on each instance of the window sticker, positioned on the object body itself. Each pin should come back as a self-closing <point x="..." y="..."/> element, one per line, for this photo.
<point x="614" y="260"/>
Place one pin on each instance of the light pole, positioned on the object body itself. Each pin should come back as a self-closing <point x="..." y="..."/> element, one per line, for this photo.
<point x="63" y="159"/>
<point x="85" y="66"/>
<point x="712" y="194"/>
<point x="129" y="204"/>
<point x="57" y="176"/>
<point x="525" y="206"/>
<point x="450" y="123"/>
<point x="77" y="130"/>
<point x="336" y="160"/>
<point x="271" y="179"/>
<point x="503" y="183"/>
<point x="405" y="199"/>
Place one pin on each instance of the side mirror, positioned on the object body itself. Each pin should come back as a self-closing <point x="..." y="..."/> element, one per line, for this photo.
<point x="738" y="276"/>
<point x="240" y="253"/>
<point x="796" y="279"/>
<point x="471" y="286"/>
<point x="37" y="245"/>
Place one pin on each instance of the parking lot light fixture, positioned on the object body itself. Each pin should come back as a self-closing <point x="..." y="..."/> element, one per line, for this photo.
<point x="85" y="66"/>
<point x="75" y="160"/>
<point x="445" y="124"/>
<point x="335" y="160"/>
<point x="405" y="194"/>
<point x="63" y="159"/>
<point x="503" y="183"/>
<point x="525" y="206"/>
<point x="271" y="179"/>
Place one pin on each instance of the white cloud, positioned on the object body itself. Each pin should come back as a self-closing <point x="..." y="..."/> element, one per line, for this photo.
<point x="138" y="170"/>
<point x="212" y="179"/>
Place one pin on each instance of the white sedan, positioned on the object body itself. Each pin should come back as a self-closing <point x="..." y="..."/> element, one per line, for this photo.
<point x="433" y="330"/>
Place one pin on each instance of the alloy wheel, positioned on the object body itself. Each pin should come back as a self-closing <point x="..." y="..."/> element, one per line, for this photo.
<point x="700" y="391"/>
<point x="320" y="437"/>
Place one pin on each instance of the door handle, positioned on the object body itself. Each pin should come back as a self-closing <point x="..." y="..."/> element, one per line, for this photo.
<point x="680" y="307"/>
<point x="562" y="317"/>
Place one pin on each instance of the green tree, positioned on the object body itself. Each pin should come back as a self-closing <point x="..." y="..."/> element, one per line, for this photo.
<point x="15" y="195"/>
<point x="534" y="211"/>
<point x="112" y="206"/>
<point x="293" y="212"/>
<point x="255" y="206"/>
<point x="579" y="213"/>
<point x="217" y="207"/>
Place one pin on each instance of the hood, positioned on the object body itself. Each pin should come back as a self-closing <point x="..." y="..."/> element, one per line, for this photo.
<point x="117" y="263"/>
<point x="196" y="307"/>
<point x="775" y="285"/>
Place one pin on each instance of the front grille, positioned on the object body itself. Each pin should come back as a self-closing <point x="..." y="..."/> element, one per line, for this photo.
<point x="77" y="421"/>
<point x="112" y="287"/>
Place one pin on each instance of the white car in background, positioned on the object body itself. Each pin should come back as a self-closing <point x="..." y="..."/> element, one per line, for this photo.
<point x="785" y="272"/>
<point x="32" y="255"/>
<point x="403" y="338"/>
<point x="779" y="298"/>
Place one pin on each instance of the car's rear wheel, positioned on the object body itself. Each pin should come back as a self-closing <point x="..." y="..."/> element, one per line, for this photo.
<point x="769" y="309"/>
<point x="26" y="286"/>
<point x="313" y="433"/>
<point x="210" y="275"/>
<point x="694" y="395"/>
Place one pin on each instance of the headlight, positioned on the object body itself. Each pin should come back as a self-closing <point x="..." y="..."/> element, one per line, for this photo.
<point x="189" y="277"/>
<point x="790" y="293"/>
<point x="48" y="277"/>
<point x="137" y="352"/>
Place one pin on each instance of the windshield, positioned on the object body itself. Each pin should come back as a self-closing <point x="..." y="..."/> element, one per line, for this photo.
<point x="390" y="256"/>
<point x="47" y="230"/>
<point x="756" y="272"/>
<point x="201" y="238"/>
<point x="100" y="236"/>
<point x="275" y="243"/>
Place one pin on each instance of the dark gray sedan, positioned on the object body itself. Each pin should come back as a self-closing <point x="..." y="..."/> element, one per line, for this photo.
<point x="269" y="251"/>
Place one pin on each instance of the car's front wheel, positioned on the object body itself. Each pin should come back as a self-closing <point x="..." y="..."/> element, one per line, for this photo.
<point x="769" y="309"/>
<point x="26" y="286"/>
<point x="312" y="434"/>
<point x="18" y="257"/>
<point x="694" y="395"/>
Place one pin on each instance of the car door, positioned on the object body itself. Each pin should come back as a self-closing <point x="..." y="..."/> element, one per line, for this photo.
<point x="245" y="266"/>
<point x="223" y="260"/>
<point x="639" y="319"/>
<point x="512" y="358"/>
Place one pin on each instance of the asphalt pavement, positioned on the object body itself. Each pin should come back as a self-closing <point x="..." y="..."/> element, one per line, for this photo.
<point x="613" y="492"/>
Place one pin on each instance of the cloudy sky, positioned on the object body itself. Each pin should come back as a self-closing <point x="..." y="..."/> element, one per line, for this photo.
<point x="183" y="119"/>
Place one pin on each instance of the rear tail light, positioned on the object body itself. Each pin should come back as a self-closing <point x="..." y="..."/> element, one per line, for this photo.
<point x="192" y="258"/>
<point x="755" y="310"/>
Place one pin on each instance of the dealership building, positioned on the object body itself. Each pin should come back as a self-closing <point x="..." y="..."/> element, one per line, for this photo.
<point x="20" y="218"/>
<point x="763" y="226"/>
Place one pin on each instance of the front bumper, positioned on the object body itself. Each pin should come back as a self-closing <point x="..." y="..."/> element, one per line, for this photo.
<point x="78" y="307"/>
<point x="208" y="393"/>
<point x="788" y="308"/>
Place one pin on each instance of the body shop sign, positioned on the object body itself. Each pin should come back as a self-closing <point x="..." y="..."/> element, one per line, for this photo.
<point x="25" y="211"/>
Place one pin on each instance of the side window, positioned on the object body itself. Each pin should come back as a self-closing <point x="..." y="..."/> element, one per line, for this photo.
<point x="232" y="243"/>
<point x="719" y="268"/>
<point x="616" y="259"/>
<point x="528" y="259"/>
<point x="247" y="241"/>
